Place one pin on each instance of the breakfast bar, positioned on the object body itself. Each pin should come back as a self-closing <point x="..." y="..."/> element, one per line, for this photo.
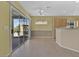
<point x="68" y="38"/>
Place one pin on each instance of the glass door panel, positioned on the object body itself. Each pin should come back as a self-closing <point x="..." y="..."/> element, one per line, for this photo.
<point x="15" y="40"/>
<point x="21" y="31"/>
<point x="25" y="29"/>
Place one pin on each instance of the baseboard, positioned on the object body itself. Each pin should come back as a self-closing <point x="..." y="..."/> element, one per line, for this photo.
<point x="67" y="47"/>
<point x="41" y="33"/>
<point x="9" y="54"/>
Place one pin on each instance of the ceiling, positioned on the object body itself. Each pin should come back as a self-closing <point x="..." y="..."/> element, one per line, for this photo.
<point x="51" y="8"/>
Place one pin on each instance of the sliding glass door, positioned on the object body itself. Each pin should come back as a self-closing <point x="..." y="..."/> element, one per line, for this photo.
<point x="19" y="29"/>
<point x="16" y="33"/>
<point x="22" y="30"/>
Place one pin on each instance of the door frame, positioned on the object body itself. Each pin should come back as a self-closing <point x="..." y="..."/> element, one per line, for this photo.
<point x="11" y="25"/>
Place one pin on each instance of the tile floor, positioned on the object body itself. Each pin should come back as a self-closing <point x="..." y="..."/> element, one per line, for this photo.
<point x="43" y="47"/>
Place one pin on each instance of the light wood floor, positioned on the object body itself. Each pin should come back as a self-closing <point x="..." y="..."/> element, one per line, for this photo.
<point x="43" y="47"/>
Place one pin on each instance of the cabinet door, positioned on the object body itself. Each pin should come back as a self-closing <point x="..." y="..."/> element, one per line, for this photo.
<point x="60" y="21"/>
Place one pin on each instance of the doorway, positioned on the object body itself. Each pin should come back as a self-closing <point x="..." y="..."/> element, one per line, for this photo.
<point x="19" y="29"/>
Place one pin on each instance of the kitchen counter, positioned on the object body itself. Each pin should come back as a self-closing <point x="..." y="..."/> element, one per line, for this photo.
<point x="68" y="38"/>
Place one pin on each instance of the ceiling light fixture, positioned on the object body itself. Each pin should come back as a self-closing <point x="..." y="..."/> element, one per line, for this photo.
<point x="42" y="11"/>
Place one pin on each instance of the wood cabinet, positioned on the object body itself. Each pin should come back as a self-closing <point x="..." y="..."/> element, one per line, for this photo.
<point x="60" y="21"/>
